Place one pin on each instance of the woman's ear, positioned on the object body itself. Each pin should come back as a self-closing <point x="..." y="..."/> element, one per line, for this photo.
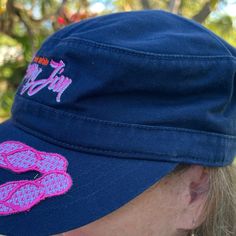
<point x="195" y="187"/>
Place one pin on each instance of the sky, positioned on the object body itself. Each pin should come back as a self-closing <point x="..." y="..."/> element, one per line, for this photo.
<point x="230" y="8"/>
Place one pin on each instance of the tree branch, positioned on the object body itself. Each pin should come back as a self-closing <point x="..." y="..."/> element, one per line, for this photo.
<point x="18" y="13"/>
<point x="203" y="13"/>
<point x="145" y="4"/>
<point x="174" y="6"/>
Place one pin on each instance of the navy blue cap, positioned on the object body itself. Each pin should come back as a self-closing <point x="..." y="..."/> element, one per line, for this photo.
<point x="122" y="99"/>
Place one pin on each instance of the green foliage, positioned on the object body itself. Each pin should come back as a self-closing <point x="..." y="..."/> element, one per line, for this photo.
<point x="6" y="100"/>
<point x="223" y="26"/>
<point x="24" y="24"/>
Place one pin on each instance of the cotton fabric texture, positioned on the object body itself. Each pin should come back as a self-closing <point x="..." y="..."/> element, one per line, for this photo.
<point x="123" y="99"/>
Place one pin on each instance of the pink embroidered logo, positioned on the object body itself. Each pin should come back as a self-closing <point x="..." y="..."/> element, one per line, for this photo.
<point x="56" y="82"/>
<point x="19" y="196"/>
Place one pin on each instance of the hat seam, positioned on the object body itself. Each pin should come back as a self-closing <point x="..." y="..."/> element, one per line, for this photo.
<point x="219" y="42"/>
<point x="138" y="53"/>
<point x="133" y="152"/>
<point x="173" y="158"/>
<point x="205" y="30"/>
<point x="122" y="124"/>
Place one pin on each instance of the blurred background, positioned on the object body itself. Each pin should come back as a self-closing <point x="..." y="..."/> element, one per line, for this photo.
<point x="24" y="24"/>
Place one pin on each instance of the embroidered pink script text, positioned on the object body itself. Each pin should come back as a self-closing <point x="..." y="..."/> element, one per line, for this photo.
<point x="20" y="196"/>
<point x="56" y="82"/>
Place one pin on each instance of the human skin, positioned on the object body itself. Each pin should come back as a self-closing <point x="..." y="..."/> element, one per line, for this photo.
<point x="170" y="207"/>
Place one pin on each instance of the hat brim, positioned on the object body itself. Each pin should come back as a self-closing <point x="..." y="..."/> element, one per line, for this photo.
<point x="101" y="184"/>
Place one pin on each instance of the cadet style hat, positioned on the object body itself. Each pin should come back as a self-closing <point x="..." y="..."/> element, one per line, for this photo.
<point x="107" y="107"/>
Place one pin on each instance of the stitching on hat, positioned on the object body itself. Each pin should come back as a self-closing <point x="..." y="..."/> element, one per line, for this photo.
<point x="205" y="30"/>
<point x="116" y="124"/>
<point x="23" y="158"/>
<point x="171" y="157"/>
<point x="19" y="196"/>
<point x="76" y="41"/>
<point x="219" y="42"/>
<point x="56" y="82"/>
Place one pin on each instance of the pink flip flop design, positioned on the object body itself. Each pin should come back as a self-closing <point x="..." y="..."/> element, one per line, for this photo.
<point x="20" y="196"/>
<point x="19" y="157"/>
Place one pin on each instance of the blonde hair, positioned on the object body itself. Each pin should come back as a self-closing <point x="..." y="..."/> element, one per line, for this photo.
<point x="220" y="208"/>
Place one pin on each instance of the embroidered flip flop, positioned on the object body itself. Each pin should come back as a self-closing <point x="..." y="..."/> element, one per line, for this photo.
<point x="19" y="196"/>
<point x="19" y="157"/>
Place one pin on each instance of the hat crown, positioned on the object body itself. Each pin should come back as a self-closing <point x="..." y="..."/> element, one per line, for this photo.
<point x="148" y="68"/>
<point x="130" y="67"/>
<point x="154" y="31"/>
